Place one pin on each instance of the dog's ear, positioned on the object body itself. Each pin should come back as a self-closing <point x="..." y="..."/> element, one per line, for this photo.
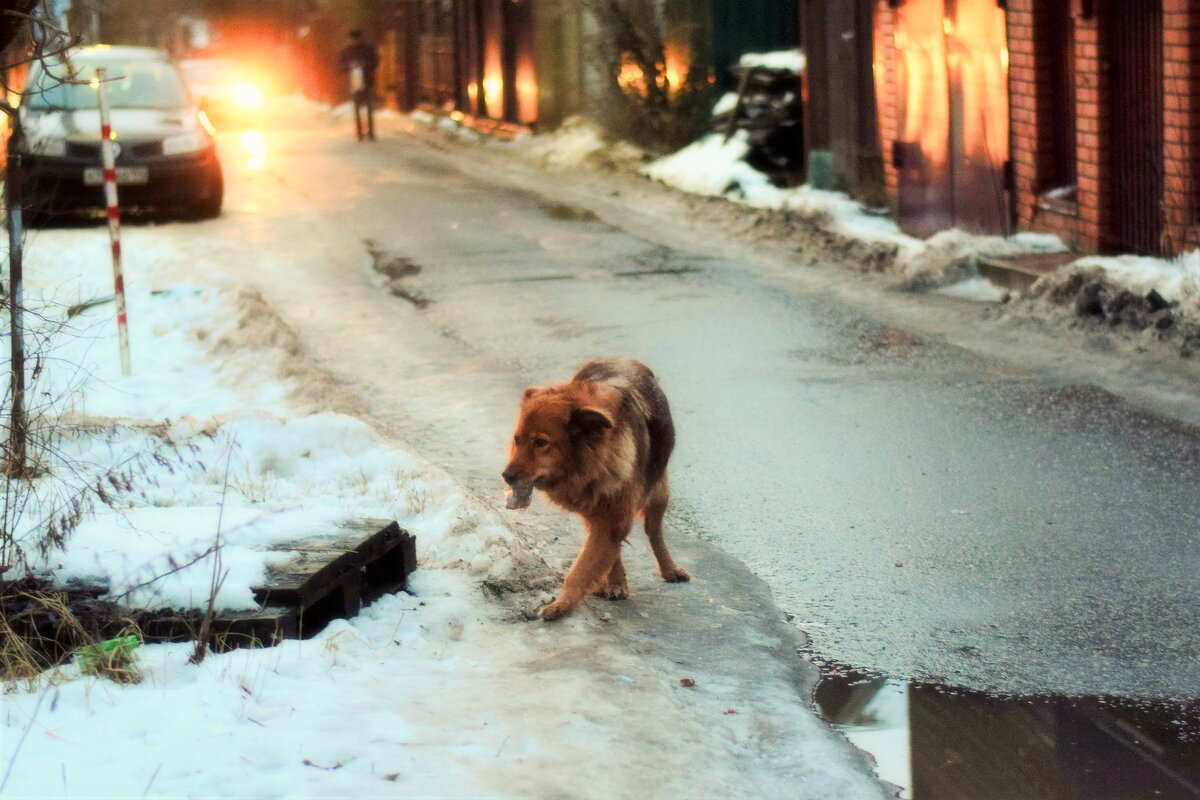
<point x="590" y="420"/>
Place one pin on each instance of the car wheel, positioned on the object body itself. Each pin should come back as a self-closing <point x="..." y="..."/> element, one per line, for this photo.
<point x="209" y="207"/>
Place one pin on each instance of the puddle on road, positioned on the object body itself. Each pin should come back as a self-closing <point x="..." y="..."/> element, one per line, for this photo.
<point x="952" y="744"/>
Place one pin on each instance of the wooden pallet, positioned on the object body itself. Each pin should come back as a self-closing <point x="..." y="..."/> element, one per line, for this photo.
<point x="330" y="577"/>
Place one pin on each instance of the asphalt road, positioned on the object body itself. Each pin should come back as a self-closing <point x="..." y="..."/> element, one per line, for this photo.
<point x="918" y="508"/>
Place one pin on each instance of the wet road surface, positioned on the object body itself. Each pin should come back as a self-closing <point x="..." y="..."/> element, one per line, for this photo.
<point x="918" y="510"/>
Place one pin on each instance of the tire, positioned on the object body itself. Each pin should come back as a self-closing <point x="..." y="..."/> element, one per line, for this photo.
<point x="209" y="207"/>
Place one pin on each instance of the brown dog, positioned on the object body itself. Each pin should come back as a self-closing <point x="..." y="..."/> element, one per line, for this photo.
<point x="598" y="446"/>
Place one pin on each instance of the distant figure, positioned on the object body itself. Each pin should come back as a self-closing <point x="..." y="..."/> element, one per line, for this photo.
<point x="359" y="59"/>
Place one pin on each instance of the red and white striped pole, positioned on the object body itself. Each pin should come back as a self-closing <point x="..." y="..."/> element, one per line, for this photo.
<point x="114" y="219"/>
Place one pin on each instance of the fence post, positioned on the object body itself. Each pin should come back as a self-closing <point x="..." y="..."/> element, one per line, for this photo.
<point x="114" y="219"/>
<point x="19" y="429"/>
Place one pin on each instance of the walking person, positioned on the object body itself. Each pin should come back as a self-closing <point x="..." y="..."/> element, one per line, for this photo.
<point x="359" y="59"/>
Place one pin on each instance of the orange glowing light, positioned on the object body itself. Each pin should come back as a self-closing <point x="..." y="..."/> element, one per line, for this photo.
<point x="527" y="89"/>
<point x="493" y="75"/>
<point x="676" y="68"/>
<point x="247" y="96"/>
<point x="493" y="95"/>
<point x="925" y="110"/>
<point x="631" y="78"/>
<point x="255" y="145"/>
<point x="983" y="64"/>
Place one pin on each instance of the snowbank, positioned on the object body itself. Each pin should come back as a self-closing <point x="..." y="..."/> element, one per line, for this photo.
<point x="788" y="60"/>
<point x="1177" y="279"/>
<point x="211" y="391"/>
<point x="715" y="166"/>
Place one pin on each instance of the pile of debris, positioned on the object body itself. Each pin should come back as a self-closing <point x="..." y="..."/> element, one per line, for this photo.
<point x="1094" y="297"/>
<point x="768" y="107"/>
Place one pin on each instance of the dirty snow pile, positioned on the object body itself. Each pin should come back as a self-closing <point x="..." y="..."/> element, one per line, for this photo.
<point x="1177" y="280"/>
<point x="716" y="166"/>
<point x="431" y="693"/>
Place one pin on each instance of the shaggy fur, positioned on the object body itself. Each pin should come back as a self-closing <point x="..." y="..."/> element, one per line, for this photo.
<point x="599" y="446"/>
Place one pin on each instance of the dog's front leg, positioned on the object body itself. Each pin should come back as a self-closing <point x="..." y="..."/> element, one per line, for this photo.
<point x="600" y="552"/>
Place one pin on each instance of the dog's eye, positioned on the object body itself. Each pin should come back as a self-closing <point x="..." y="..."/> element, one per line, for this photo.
<point x="539" y="443"/>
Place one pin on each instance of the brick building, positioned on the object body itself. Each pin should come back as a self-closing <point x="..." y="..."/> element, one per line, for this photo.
<point x="940" y="76"/>
<point x="1124" y="76"/>
<point x="1075" y="117"/>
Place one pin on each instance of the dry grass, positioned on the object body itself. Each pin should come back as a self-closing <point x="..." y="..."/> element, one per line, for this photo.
<point x="39" y="632"/>
<point x="118" y="663"/>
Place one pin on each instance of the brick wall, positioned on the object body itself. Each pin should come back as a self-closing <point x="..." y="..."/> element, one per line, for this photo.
<point x="1090" y="147"/>
<point x="1079" y="219"/>
<point x="1181" y="123"/>
<point x="1081" y="222"/>
<point x="1023" y="94"/>
<point x="1075" y="219"/>
<point x="885" y="85"/>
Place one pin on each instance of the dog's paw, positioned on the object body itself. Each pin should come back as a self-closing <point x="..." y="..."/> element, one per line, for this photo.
<point x="555" y="610"/>
<point x="676" y="574"/>
<point x="609" y="592"/>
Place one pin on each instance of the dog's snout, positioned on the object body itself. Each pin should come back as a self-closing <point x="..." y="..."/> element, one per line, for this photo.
<point x="510" y="476"/>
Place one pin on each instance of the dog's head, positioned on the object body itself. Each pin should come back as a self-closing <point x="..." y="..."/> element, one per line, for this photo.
<point x="554" y="425"/>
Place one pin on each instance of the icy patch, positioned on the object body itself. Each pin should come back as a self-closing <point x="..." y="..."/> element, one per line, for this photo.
<point x="977" y="290"/>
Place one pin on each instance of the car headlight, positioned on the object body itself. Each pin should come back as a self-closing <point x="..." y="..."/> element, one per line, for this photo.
<point x="185" y="143"/>
<point x="247" y="96"/>
<point x="46" y="146"/>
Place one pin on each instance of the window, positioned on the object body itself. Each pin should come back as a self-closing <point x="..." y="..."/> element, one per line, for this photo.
<point x="1054" y="32"/>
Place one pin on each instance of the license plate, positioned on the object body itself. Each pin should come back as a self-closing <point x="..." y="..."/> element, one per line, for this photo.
<point x="94" y="176"/>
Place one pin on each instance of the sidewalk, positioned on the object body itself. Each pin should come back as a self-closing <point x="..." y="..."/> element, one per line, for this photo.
<point x="444" y="692"/>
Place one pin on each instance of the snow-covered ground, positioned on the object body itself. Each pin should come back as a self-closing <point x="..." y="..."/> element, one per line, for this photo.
<point x="440" y="692"/>
<point x="715" y="166"/>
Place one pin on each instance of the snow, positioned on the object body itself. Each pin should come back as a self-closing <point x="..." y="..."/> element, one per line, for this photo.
<point x="789" y="60"/>
<point x="1177" y="279"/>
<point x="882" y="730"/>
<point x="726" y="103"/>
<point x="715" y="166"/>
<point x="977" y="289"/>
<point x="433" y="693"/>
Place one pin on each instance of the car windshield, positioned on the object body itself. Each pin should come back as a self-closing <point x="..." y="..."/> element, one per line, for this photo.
<point x="130" y="84"/>
<point x="210" y="75"/>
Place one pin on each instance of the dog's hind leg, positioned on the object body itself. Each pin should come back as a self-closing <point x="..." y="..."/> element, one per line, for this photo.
<point x="652" y="515"/>
<point x="616" y="585"/>
<point x="600" y="553"/>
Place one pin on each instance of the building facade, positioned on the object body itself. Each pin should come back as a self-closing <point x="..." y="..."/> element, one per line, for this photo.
<point x="1074" y="117"/>
<point x="940" y="71"/>
<point x="1106" y="122"/>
